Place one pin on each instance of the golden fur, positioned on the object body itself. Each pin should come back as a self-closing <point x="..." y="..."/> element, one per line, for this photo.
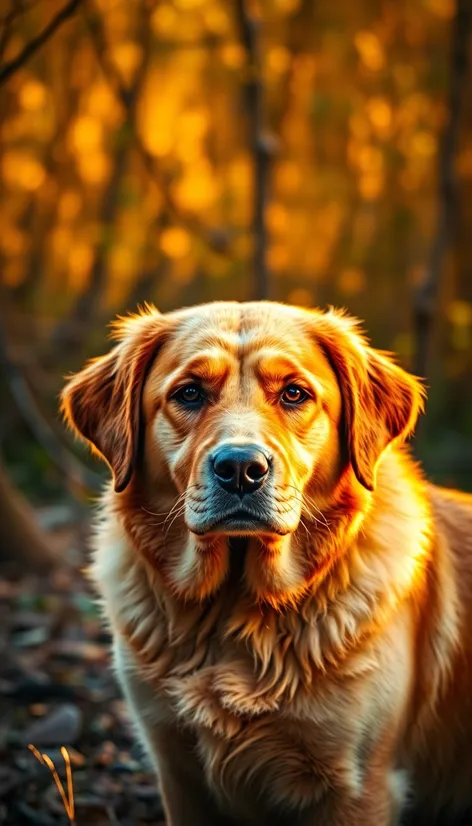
<point x="316" y="667"/>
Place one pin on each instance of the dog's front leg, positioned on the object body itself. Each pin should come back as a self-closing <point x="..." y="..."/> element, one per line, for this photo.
<point x="186" y="797"/>
<point x="380" y="803"/>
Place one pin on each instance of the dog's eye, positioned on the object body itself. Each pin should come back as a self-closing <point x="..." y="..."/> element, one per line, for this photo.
<point x="293" y="394"/>
<point x="191" y="395"/>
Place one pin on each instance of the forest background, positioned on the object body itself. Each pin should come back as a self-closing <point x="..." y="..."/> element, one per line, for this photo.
<point x="181" y="151"/>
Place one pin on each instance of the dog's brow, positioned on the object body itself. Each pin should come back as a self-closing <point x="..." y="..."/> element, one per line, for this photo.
<point x="210" y="364"/>
<point x="274" y="367"/>
<point x="273" y="363"/>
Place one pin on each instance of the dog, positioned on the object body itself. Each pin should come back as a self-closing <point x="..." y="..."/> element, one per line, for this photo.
<point x="290" y="599"/>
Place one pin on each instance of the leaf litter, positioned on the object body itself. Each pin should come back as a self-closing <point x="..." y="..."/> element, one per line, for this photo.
<point x="63" y="722"/>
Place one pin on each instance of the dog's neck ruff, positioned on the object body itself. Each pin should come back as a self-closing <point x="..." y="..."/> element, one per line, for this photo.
<point x="278" y="653"/>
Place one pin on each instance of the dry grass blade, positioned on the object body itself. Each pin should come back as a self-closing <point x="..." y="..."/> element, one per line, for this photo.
<point x="70" y="784"/>
<point x="67" y="799"/>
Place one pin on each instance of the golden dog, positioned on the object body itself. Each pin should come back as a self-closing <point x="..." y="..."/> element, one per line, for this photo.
<point x="290" y="599"/>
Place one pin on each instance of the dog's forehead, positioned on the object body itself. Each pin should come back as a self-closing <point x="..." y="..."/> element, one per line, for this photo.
<point x="251" y="332"/>
<point x="244" y="329"/>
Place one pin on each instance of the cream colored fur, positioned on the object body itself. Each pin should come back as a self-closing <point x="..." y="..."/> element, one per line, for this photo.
<point x="334" y="709"/>
<point x="325" y="677"/>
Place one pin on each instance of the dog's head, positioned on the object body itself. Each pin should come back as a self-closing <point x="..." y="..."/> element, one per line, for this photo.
<point x="232" y="420"/>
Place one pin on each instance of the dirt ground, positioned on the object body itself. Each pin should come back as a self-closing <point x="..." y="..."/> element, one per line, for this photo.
<point x="57" y="689"/>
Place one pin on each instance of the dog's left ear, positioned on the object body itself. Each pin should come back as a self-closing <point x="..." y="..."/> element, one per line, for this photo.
<point x="102" y="403"/>
<point x="381" y="401"/>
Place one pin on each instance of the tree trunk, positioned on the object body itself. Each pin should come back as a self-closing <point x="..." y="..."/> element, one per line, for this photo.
<point x="22" y="543"/>
<point x="426" y="295"/>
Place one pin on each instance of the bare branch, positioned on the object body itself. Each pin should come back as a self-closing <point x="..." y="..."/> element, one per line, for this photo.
<point x="39" y="216"/>
<point x="22" y="542"/>
<point x="217" y="240"/>
<point x="262" y="144"/>
<point x="70" y="329"/>
<point x="68" y="464"/>
<point x="64" y="14"/>
<point x="426" y="295"/>
<point x="7" y="24"/>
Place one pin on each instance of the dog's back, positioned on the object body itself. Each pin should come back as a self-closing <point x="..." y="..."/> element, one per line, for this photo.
<point x="441" y="734"/>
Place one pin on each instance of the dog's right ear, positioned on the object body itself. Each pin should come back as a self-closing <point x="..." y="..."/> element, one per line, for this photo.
<point x="381" y="401"/>
<point x="102" y="403"/>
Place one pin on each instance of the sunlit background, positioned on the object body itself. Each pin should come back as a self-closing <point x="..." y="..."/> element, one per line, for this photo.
<point x="180" y="151"/>
<point x="128" y="173"/>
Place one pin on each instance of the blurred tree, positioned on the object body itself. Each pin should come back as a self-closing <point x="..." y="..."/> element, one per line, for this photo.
<point x="86" y="305"/>
<point x="24" y="54"/>
<point x="186" y="150"/>
<point x="261" y="144"/>
<point x="426" y="295"/>
<point x="22" y="543"/>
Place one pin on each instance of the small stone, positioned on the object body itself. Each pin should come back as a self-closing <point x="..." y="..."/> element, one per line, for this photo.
<point x="31" y="638"/>
<point x="106" y="754"/>
<point x="145" y="792"/>
<point x="125" y="766"/>
<point x="61" y="727"/>
<point x="81" y="651"/>
<point x="38" y="709"/>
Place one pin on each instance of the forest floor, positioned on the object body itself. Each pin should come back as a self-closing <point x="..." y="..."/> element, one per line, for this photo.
<point x="57" y="689"/>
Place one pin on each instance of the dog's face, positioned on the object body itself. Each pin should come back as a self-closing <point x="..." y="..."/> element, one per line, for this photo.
<point x="255" y="421"/>
<point x="243" y="410"/>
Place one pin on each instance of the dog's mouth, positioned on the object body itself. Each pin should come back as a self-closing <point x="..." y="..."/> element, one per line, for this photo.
<point x="240" y="523"/>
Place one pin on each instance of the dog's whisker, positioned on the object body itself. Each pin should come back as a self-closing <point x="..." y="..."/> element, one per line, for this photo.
<point x="164" y="513"/>
<point x="178" y="513"/>
<point x="179" y="499"/>
<point x="308" y="504"/>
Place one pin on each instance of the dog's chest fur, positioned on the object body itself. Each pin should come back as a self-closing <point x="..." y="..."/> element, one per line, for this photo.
<point x="269" y="734"/>
<point x="264" y="709"/>
<point x="280" y="705"/>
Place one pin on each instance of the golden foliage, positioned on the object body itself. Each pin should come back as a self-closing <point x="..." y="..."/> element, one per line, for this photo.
<point x="351" y="281"/>
<point x="379" y="111"/>
<point x="22" y="170"/>
<point x="127" y="56"/>
<point x="300" y="297"/>
<point x="442" y="8"/>
<point x="32" y="95"/>
<point x="175" y="242"/>
<point x="370" y="50"/>
<point x="355" y="103"/>
<point x="86" y="135"/>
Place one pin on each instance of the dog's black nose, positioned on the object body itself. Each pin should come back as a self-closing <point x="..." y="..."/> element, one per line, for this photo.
<point x="240" y="468"/>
